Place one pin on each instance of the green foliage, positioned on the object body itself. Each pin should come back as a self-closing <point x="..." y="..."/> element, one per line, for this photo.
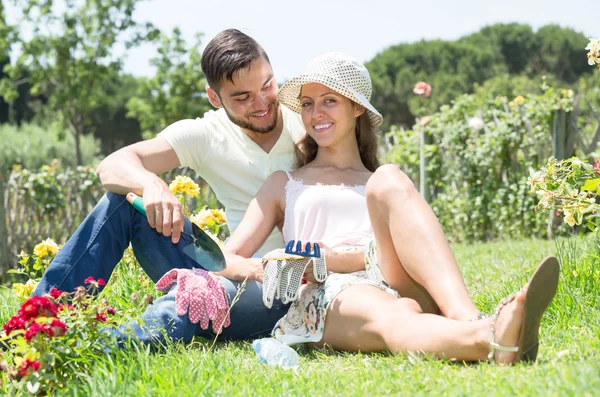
<point x="176" y="91"/>
<point x="479" y="162"/>
<point x="454" y="68"/>
<point x="33" y="146"/>
<point x="71" y="54"/>
<point x="570" y="186"/>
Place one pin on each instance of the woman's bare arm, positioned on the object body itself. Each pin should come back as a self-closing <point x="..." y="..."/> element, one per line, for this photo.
<point x="264" y="213"/>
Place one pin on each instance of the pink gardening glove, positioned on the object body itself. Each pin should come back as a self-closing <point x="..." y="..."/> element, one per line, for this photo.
<point x="199" y="292"/>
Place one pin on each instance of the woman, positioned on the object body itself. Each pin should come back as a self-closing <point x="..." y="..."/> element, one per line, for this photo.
<point x="340" y="197"/>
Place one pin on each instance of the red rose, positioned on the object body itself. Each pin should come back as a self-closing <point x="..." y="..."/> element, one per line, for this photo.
<point x="33" y="329"/>
<point x="55" y="328"/>
<point x="15" y="323"/>
<point x="56" y="293"/>
<point x="38" y="306"/>
<point x="101" y="317"/>
<point x="27" y="366"/>
<point x="63" y="306"/>
<point x="111" y="310"/>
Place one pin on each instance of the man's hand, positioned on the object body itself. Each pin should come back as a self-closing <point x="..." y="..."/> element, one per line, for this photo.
<point x="163" y="209"/>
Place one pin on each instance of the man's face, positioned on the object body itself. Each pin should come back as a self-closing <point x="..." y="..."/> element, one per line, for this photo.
<point x="250" y="101"/>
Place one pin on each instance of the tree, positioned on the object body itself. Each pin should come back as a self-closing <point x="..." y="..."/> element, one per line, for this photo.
<point x="109" y="121"/>
<point x="457" y="67"/>
<point x="5" y="32"/>
<point x="176" y="92"/>
<point x="72" y="54"/>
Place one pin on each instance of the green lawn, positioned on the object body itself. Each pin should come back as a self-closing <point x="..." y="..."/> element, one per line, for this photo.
<point x="568" y="363"/>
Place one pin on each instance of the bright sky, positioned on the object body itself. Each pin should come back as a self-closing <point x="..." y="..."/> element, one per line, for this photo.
<point x="293" y="33"/>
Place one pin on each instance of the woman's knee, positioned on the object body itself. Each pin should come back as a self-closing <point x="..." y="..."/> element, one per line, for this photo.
<point x="388" y="181"/>
<point x="397" y="313"/>
<point x="391" y="327"/>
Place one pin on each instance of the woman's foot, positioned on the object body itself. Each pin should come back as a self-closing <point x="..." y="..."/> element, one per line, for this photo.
<point x="508" y="327"/>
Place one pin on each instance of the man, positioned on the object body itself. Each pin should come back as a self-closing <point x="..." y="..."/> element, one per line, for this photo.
<point x="234" y="149"/>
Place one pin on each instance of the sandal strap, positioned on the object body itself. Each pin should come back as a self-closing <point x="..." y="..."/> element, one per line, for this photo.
<point x="480" y="316"/>
<point x="493" y="345"/>
<point x="501" y="348"/>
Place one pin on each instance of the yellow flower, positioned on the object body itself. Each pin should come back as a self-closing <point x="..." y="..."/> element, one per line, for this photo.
<point x="569" y="218"/>
<point x="24" y="291"/>
<point x="219" y="216"/>
<point x="184" y="185"/>
<point x="519" y="100"/>
<point x="17" y="167"/>
<point x="45" y="248"/>
<point x="208" y="218"/>
<point x="511" y="104"/>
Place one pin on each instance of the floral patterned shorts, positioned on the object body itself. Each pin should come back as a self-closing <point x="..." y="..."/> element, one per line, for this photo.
<point x="305" y="320"/>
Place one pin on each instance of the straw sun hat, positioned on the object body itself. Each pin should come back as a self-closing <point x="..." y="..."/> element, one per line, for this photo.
<point x="339" y="72"/>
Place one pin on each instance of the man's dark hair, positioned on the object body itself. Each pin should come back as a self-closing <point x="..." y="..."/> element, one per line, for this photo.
<point x="226" y="54"/>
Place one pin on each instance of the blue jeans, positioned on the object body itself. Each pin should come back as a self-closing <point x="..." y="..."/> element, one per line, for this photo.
<point x="96" y="248"/>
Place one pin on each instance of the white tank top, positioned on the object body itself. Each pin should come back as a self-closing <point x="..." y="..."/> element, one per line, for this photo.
<point x="337" y="215"/>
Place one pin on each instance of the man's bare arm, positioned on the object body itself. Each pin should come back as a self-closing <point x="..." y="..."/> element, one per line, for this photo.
<point x="134" y="169"/>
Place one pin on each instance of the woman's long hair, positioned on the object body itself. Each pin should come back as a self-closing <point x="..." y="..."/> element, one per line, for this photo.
<point x="306" y="149"/>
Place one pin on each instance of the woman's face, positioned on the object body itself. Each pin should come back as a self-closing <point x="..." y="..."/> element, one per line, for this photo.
<point x="328" y="117"/>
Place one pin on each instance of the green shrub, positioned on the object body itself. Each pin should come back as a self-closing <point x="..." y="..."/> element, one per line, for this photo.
<point x="32" y="146"/>
<point x="480" y="155"/>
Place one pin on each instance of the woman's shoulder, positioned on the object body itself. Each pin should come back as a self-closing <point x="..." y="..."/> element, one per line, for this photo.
<point x="277" y="180"/>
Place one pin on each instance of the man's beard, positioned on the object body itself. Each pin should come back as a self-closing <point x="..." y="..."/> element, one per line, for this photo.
<point x="249" y="126"/>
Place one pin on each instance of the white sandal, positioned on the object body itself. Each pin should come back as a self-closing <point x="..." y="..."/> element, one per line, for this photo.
<point x="540" y="292"/>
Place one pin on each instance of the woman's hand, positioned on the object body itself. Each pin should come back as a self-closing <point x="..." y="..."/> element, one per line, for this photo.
<point x="327" y="254"/>
<point x="339" y="261"/>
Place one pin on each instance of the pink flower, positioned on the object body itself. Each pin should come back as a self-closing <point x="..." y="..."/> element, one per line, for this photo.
<point x="95" y="283"/>
<point x="424" y="120"/>
<point x="27" y="366"/>
<point x="101" y="317"/>
<point x="422" y="88"/>
<point x="597" y="165"/>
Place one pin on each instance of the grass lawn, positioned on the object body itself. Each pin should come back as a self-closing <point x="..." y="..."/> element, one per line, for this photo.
<point x="568" y="362"/>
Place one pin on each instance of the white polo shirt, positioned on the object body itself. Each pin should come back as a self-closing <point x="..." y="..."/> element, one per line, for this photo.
<point x="232" y="164"/>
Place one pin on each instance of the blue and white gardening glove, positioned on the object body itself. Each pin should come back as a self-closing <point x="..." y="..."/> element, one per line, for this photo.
<point x="284" y="273"/>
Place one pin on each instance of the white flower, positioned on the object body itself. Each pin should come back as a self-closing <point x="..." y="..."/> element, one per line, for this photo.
<point x="476" y="124"/>
<point x="594" y="51"/>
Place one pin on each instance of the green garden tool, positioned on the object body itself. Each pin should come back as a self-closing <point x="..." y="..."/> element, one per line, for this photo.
<point x="204" y="250"/>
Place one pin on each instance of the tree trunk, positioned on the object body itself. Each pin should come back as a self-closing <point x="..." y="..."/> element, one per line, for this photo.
<point x="6" y="256"/>
<point x="78" y="124"/>
<point x="560" y="151"/>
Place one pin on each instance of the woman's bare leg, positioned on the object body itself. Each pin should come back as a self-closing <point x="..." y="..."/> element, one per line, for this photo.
<point x="414" y="254"/>
<point x="364" y="318"/>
